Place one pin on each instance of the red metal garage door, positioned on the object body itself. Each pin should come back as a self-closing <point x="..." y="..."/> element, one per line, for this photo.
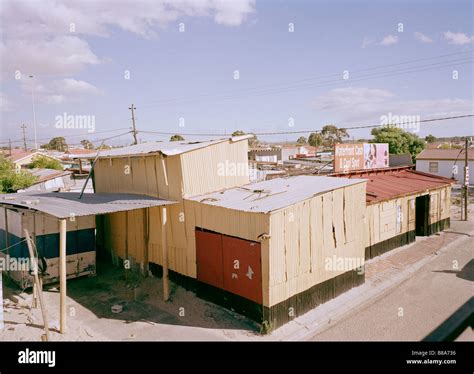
<point x="242" y="268"/>
<point x="209" y="258"/>
<point x="229" y="263"/>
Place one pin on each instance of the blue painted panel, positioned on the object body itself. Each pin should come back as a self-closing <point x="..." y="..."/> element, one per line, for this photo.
<point x="48" y="245"/>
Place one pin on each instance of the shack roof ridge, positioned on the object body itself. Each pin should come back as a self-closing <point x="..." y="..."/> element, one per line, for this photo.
<point x="166" y="148"/>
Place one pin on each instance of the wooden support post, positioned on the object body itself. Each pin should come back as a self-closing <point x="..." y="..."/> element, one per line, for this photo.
<point x="62" y="276"/>
<point x="164" y="251"/>
<point x="39" y="284"/>
<point x="146" y="228"/>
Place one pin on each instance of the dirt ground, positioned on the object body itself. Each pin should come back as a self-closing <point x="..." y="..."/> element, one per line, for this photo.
<point x="145" y="315"/>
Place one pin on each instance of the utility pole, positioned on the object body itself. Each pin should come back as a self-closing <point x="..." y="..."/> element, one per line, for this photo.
<point x="134" y="130"/>
<point x="466" y="177"/>
<point x="10" y="146"/>
<point x="23" y="127"/>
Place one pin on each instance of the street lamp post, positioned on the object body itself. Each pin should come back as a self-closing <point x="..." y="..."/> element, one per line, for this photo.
<point x="34" y="111"/>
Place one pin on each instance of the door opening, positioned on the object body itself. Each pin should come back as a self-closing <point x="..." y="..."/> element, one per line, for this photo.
<point x="422" y="211"/>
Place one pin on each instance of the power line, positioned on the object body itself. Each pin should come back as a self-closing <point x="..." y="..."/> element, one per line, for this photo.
<point x="235" y="92"/>
<point x="326" y="83"/>
<point x="314" y="130"/>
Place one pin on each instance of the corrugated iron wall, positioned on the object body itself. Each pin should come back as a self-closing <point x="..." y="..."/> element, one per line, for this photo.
<point x="382" y="217"/>
<point x="214" y="168"/>
<point x="304" y="235"/>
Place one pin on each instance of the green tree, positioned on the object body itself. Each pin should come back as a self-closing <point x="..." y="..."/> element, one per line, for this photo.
<point x="43" y="162"/>
<point x="176" y="138"/>
<point x="104" y="147"/>
<point x="399" y="141"/>
<point x="87" y="144"/>
<point x="58" y="144"/>
<point x="238" y="133"/>
<point x="12" y="180"/>
<point x="332" y="134"/>
<point x="315" y="139"/>
<point x="302" y="140"/>
<point x="430" y="138"/>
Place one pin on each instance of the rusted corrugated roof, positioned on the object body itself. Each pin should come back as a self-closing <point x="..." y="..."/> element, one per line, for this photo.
<point x="395" y="182"/>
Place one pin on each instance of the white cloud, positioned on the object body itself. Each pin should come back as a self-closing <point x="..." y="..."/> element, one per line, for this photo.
<point x="62" y="55"/>
<point x="47" y="37"/>
<point x="365" y="105"/>
<point x="359" y="98"/>
<point x="59" y="91"/>
<point x="389" y="40"/>
<point x="366" y="42"/>
<point x="422" y="37"/>
<point x="5" y="103"/>
<point x="458" y="38"/>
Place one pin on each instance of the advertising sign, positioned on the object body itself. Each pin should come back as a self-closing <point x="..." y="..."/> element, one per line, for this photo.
<point x="360" y="156"/>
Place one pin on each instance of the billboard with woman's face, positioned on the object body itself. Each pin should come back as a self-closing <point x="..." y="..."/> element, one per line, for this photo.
<point x="360" y="156"/>
<point x="375" y="155"/>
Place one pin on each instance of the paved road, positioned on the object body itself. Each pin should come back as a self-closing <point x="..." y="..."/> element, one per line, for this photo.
<point x="417" y="306"/>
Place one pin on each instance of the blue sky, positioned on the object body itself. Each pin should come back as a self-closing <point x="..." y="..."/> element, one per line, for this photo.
<point x="83" y="72"/>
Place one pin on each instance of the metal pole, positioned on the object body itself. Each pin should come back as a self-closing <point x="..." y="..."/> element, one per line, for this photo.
<point x="34" y="112"/>
<point x="466" y="177"/>
<point x="62" y="276"/>
<point x="164" y="251"/>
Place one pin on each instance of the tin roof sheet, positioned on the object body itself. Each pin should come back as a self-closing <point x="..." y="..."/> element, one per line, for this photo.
<point x="391" y="183"/>
<point x="166" y="148"/>
<point x="270" y="195"/>
<point x="67" y="204"/>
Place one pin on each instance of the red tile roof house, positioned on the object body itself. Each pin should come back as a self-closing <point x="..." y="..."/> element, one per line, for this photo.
<point x="448" y="163"/>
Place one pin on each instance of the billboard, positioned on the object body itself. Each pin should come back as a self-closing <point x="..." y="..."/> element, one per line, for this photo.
<point x="360" y="156"/>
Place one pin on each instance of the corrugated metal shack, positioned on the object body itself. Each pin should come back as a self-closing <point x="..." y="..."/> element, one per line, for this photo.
<point x="270" y="250"/>
<point x="276" y="249"/>
<point x="401" y="204"/>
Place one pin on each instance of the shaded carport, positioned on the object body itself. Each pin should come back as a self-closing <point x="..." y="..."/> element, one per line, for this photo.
<point x="68" y="205"/>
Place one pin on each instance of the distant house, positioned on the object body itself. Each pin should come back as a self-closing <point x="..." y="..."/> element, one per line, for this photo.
<point x="446" y="163"/>
<point x="273" y="154"/>
<point x="50" y="180"/>
<point x="21" y="160"/>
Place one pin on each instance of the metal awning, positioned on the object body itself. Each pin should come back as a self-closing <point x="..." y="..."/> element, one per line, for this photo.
<point x="67" y="204"/>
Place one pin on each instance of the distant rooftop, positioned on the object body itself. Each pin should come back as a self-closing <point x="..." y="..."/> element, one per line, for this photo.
<point x="445" y="154"/>
<point x="270" y="195"/>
